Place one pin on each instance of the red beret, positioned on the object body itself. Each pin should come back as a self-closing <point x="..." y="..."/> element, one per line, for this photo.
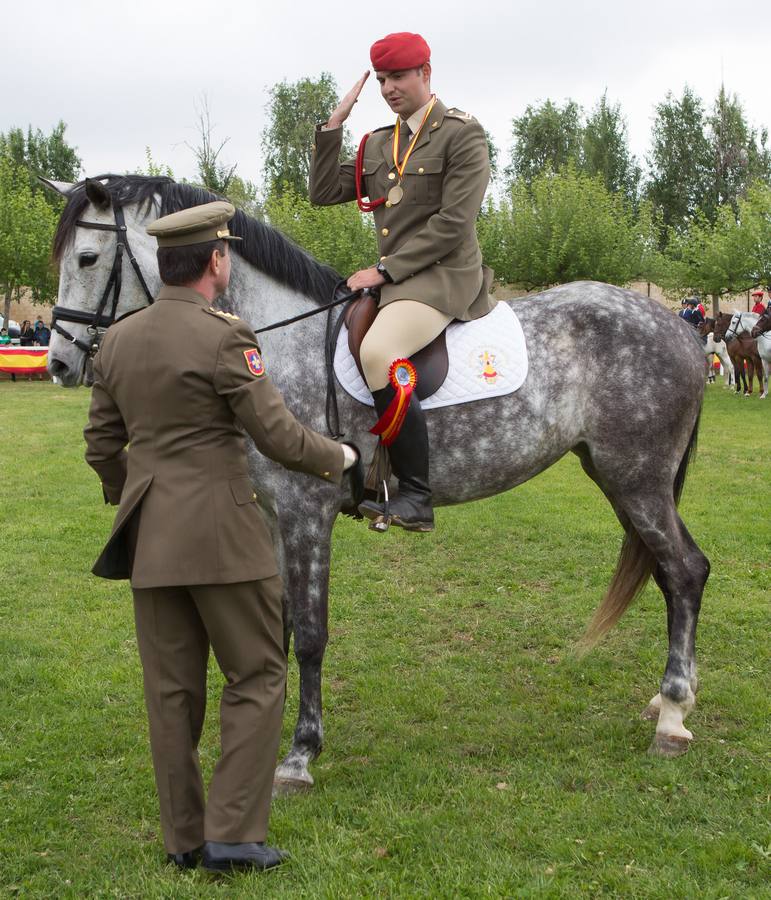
<point x="757" y="293"/>
<point x="402" y="50"/>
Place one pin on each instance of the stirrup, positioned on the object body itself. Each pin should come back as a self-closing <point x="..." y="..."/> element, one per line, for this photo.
<point x="379" y="523"/>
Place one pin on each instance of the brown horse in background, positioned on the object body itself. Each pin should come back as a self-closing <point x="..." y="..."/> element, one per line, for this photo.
<point x="742" y="349"/>
<point x="763" y="324"/>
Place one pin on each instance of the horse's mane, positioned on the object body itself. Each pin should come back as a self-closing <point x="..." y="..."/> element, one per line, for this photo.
<point x="263" y="246"/>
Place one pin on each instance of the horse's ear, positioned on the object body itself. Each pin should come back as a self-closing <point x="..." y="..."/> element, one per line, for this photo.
<point x="60" y="187"/>
<point x="97" y="193"/>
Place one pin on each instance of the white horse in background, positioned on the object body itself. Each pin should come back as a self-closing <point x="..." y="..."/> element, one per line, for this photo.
<point x="719" y="349"/>
<point x="744" y="322"/>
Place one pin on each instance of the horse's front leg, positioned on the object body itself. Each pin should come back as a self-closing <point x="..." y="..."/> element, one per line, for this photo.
<point x="307" y="538"/>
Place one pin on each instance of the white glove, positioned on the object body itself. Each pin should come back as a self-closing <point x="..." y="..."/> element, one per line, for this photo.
<point x="350" y="456"/>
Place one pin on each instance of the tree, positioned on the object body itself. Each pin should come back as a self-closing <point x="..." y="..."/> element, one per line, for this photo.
<point x="214" y="174"/>
<point x="737" y="159"/>
<point x="545" y="137"/>
<point x="294" y="110"/>
<point x="727" y="256"/>
<point x="40" y="154"/>
<point x="563" y="227"/>
<point x="27" y="225"/>
<point x="336" y="235"/>
<point x="605" y="150"/>
<point x="680" y="161"/>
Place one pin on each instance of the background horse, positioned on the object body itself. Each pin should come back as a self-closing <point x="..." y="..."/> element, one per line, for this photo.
<point x="719" y="348"/>
<point x="743" y="350"/>
<point x="634" y="443"/>
<point x="763" y="325"/>
<point x="744" y="324"/>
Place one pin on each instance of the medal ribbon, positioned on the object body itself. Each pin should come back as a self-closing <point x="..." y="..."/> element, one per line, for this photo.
<point x="400" y="168"/>
<point x="403" y="378"/>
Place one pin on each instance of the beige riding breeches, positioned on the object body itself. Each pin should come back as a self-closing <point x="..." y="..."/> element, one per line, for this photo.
<point x="401" y="328"/>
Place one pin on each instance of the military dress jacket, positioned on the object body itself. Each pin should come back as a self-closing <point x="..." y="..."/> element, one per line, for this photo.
<point x="174" y="381"/>
<point x="428" y="242"/>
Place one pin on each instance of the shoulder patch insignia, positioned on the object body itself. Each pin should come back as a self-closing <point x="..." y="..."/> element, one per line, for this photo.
<point x="254" y="362"/>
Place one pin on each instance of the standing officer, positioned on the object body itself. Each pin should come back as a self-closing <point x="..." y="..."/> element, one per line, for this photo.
<point x="191" y="538"/>
<point x="425" y="177"/>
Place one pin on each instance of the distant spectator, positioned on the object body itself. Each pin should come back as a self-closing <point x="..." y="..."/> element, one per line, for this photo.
<point x="692" y="314"/>
<point x="4" y="339"/>
<point x="27" y="334"/>
<point x="42" y="333"/>
<point x="759" y="306"/>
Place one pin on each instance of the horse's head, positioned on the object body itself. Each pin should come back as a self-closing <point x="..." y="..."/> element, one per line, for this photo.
<point x="705" y="327"/>
<point x="91" y="267"/>
<point x="722" y="323"/>
<point x="763" y="324"/>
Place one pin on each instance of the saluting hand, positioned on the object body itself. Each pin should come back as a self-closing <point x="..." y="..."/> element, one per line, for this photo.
<point x="346" y="104"/>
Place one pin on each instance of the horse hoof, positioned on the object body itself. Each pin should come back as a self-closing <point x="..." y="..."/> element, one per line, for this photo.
<point x="291" y="779"/>
<point x="288" y="786"/>
<point x="668" y="745"/>
<point x="650" y="713"/>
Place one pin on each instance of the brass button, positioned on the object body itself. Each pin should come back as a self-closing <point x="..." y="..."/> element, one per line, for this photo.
<point x="384" y="232"/>
<point x="388" y="204"/>
<point x="391" y="176"/>
<point x="363" y="168"/>
<point x="382" y="258"/>
<point x="254" y="496"/>
<point x="434" y="124"/>
<point x="450" y="111"/>
<point x="325" y="474"/>
<point x="421" y="170"/>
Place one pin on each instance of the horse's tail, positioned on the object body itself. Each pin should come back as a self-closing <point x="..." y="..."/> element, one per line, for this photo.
<point x="635" y="565"/>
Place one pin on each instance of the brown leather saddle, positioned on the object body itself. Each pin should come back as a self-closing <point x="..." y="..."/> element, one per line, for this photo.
<point x="431" y="363"/>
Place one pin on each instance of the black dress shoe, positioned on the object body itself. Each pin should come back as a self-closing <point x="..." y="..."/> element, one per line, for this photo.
<point x="220" y="857"/>
<point x="187" y="860"/>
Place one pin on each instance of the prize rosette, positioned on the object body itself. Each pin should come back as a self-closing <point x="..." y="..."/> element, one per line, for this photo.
<point x="403" y="378"/>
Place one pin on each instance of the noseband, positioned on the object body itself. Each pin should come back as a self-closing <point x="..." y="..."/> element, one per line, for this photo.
<point x="101" y="319"/>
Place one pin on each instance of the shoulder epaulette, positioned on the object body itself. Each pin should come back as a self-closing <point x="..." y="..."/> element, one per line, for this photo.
<point x="455" y="113"/>
<point x="383" y="128"/>
<point x="221" y="315"/>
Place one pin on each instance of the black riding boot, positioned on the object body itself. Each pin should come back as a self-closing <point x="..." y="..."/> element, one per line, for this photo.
<point x="411" y="509"/>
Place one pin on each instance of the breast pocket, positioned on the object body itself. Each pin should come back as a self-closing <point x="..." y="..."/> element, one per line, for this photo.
<point x="427" y="176"/>
<point x="374" y="177"/>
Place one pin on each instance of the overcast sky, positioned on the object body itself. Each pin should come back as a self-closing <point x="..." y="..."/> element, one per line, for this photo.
<point x="126" y="75"/>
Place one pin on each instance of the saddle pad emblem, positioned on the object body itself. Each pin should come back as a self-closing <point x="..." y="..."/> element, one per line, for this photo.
<point x="254" y="362"/>
<point x="489" y="366"/>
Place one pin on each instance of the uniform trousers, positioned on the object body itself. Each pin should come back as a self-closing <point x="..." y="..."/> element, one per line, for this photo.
<point x="401" y="328"/>
<point x="243" y="625"/>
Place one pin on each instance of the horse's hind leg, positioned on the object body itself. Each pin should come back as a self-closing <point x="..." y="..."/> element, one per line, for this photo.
<point x="681" y="572"/>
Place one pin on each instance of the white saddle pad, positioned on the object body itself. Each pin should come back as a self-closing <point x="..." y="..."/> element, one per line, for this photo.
<point x="488" y="358"/>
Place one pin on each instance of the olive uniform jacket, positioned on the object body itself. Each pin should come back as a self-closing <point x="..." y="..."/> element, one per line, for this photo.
<point x="428" y="241"/>
<point x="171" y="381"/>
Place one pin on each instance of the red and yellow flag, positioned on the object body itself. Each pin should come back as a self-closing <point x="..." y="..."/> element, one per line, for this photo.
<point x="23" y="360"/>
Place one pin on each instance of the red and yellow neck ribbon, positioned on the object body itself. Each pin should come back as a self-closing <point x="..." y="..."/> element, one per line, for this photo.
<point x="403" y="378"/>
<point x="408" y="152"/>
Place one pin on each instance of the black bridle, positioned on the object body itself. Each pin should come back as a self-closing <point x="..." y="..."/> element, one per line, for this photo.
<point x="101" y="319"/>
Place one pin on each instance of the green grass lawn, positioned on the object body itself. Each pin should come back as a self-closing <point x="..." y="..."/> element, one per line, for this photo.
<point x="469" y="753"/>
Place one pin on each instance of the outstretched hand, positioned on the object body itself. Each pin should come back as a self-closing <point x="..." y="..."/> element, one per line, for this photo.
<point x="346" y="104"/>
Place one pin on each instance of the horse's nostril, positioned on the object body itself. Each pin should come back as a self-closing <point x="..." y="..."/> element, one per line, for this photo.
<point x="56" y="367"/>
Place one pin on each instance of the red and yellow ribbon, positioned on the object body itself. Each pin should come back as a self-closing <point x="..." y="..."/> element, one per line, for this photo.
<point x="397" y="129"/>
<point x="403" y="378"/>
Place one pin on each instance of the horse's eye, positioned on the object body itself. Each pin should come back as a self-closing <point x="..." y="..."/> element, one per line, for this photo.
<point x="87" y="259"/>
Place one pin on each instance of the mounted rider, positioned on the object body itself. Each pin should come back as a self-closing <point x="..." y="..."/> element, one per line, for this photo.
<point x="425" y="178"/>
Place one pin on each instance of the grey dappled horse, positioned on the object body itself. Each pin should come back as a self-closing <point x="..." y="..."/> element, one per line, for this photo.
<point x="634" y="443"/>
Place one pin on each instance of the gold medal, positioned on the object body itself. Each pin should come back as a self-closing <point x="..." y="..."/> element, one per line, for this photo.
<point x="395" y="194"/>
